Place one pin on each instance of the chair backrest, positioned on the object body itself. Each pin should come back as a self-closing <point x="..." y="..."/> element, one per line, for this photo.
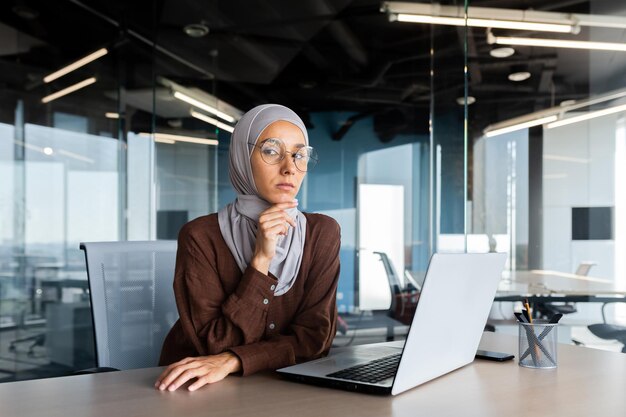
<point x="132" y="300"/>
<point x="584" y="268"/>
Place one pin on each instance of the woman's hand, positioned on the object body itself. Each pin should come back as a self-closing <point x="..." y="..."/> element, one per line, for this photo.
<point x="206" y="370"/>
<point x="273" y="222"/>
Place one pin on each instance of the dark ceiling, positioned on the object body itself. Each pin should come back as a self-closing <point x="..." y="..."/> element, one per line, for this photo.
<point x="312" y="55"/>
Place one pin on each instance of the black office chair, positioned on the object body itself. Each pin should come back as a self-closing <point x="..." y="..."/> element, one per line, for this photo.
<point x="404" y="298"/>
<point x="609" y="331"/>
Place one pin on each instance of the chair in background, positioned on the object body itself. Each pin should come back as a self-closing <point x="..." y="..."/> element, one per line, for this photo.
<point x="403" y="297"/>
<point x="132" y="300"/>
<point x="399" y="313"/>
<point x="609" y="331"/>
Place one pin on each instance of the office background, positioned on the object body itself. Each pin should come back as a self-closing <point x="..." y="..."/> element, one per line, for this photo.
<point x="404" y="116"/>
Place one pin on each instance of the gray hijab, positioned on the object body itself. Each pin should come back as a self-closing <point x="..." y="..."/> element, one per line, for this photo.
<point x="238" y="220"/>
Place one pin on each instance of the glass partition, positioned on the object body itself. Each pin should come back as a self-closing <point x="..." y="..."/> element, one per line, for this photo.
<point x="547" y="150"/>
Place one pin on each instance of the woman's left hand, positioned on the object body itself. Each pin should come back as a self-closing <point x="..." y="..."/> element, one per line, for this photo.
<point x="206" y="370"/>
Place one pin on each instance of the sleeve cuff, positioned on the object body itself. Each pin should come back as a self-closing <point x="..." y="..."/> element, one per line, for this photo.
<point x="256" y="289"/>
<point x="248" y="305"/>
<point x="256" y="357"/>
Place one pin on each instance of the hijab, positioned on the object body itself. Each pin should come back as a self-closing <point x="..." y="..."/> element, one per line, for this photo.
<point x="238" y="220"/>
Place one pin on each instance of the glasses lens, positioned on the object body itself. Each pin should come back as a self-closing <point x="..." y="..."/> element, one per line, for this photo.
<point x="272" y="151"/>
<point x="306" y="158"/>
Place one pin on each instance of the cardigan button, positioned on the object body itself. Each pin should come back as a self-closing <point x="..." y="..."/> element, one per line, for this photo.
<point x="272" y="326"/>
<point x="266" y="301"/>
<point x="273" y="287"/>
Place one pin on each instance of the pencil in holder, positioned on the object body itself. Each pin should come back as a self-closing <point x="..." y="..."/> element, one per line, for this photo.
<point x="538" y="345"/>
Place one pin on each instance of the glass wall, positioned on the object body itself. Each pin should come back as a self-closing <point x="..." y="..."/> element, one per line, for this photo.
<point x="547" y="150"/>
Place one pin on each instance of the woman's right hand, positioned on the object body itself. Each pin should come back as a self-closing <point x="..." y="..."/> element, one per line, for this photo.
<point x="273" y="222"/>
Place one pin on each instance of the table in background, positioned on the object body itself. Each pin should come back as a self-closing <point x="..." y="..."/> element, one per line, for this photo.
<point x="587" y="382"/>
<point x="554" y="286"/>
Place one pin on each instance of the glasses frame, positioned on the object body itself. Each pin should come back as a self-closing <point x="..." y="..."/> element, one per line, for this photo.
<point x="283" y="154"/>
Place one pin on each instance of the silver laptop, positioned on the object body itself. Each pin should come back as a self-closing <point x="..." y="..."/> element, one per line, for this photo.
<point x="453" y="307"/>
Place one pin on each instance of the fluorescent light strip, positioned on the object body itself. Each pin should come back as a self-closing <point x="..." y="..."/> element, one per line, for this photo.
<point x="558" y="43"/>
<point x="201" y="105"/>
<point x="111" y="115"/>
<point x="168" y="141"/>
<point x="76" y="156"/>
<point x="168" y="138"/>
<point x="554" y="176"/>
<point x="565" y="159"/>
<point x="519" y="126"/>
<point x="592" y="115"/>
<point x="81" y="62"/>
<point x="68" y="90"/>
<point x="485" y="23"/>
<point x="212" y="121"/>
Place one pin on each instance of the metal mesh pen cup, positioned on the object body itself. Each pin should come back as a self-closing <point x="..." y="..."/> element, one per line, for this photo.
<point x="538" y="345"/>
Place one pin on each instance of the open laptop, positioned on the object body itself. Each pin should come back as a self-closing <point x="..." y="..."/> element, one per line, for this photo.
<point x="456" y="298"/>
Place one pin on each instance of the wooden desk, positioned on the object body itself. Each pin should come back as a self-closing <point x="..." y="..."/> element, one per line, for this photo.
<point x="587" y="383"/>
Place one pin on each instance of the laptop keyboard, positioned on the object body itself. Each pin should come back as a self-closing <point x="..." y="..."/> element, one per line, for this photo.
<point x="372" y="372"/>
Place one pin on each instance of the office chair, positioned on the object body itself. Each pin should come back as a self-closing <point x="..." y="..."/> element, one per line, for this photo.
<point x="132" y="300"/>
<point x="609" y="331"/>
<point x="403" y="298"/>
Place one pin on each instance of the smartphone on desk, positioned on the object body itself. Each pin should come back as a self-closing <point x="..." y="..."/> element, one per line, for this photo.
<point x="493" y="356"/>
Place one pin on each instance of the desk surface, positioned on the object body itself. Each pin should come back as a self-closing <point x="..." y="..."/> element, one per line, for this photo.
<point x="587" y="383"/>
<point x="541" y="282"/>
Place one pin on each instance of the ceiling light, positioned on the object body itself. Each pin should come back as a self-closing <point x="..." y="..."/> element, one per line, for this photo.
<point x="503" y="52"/>
<point x="202" y="100"/>
<point x="163" y="140"/>
<point x="555" y="112"/>
<point x="563" y="158"/>
<point x="499" y="18"/>
<point x="519" y="76"/>
<point x="25" y="12"/>
<point x="484" y="23"/>
<point x="48" y="150"/>
<point x="481" y="17"/>
<point x="203" y="106"/>
<point x="470" y="100"/>
<point x="68" y="90"/>
<point x="76" y="156"/>
<point x="196" y="30"/>
<point x="111" y="115"/>
<point x="175" y="123"/>
<point x="518" y="126"/>
<point x="75" y="65"/>
<point x="556" y="43"/>
<point x="587" y="116"/>
<point x="211" y="121"/>
<point x="169" y="138"/>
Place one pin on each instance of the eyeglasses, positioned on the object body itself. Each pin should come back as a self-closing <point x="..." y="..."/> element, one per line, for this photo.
<point x="273" y="151"/>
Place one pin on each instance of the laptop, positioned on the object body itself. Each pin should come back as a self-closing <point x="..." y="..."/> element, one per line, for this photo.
<point x="451" y="313"/>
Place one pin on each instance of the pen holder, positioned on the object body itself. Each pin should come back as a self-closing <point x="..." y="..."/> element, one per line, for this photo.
<point x="538" y="345"/>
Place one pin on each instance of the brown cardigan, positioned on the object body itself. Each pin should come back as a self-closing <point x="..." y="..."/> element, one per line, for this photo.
<point x="222" y="309"/>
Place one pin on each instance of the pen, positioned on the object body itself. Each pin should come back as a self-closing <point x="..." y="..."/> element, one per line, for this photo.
<point x="530" y="314"/>
<point x="521" y="318"/>
<point x="531" y="333"/>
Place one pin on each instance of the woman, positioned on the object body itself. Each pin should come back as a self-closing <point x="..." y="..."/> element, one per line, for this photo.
<point x="255" y="283"/>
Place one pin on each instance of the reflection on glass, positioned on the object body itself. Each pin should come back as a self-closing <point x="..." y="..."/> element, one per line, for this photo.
<point x="547" y="180"/>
